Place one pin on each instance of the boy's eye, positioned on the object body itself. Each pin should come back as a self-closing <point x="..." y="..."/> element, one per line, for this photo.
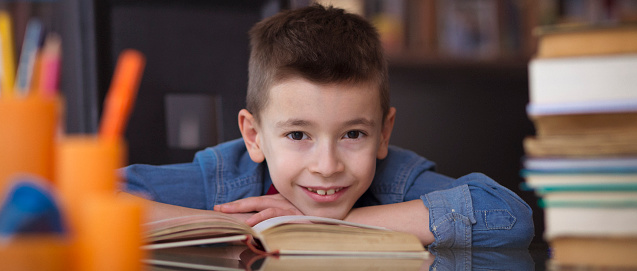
<point x="353" y="134"/>
<point x="296" y="135"/>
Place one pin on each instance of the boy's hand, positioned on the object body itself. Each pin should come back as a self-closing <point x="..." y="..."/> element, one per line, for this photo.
<point x="158" y="211"/>
<point x="267" y="206"/>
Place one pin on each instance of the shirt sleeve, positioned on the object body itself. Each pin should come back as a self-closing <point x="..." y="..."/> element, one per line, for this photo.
<point x="470" y="211"/>
<point x="476" y="211"/>
<point x="177" y="184"/>
<point x="216" y="175"/>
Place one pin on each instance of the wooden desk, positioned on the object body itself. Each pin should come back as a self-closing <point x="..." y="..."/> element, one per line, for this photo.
<point x="239" y="258"/>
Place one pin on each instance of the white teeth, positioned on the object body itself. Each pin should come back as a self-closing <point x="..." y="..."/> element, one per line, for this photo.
<point x="324" y="192"/>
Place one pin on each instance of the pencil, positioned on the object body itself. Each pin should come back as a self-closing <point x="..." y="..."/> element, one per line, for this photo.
<point x="8" y="64"/>
<point x="122" y="93"/>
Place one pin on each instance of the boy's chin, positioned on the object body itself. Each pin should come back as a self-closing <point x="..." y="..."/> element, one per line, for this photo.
<point x="328" y="212"/>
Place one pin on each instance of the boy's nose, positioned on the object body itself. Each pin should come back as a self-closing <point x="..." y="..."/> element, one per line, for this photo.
<point x="326" y="161"/>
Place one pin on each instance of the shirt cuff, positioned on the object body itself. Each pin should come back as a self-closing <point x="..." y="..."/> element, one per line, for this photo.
<point x="450" y="216"/>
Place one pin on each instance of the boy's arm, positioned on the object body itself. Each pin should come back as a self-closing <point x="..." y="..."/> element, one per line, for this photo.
<point x="157" y="211"/>
<point x="441" y="218"/>
<point x="411" y="216"/>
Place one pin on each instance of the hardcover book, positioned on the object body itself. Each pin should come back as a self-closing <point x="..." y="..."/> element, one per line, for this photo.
<point x="583" y="40"/>
<point x="607" y="145"/>
<point x="590" y="221"/>
<point x="293" y="235"/>
<point x="586" y="124"/>
<point x="547" y="181"/>
<point x="602" y="80"/>
<point x="602" y="253"/>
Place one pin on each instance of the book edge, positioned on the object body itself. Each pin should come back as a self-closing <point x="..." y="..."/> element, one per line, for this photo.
<point x="204" y="241"/>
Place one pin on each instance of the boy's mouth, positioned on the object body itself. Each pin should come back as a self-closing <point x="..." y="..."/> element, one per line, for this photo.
<point x="324" y="192"/>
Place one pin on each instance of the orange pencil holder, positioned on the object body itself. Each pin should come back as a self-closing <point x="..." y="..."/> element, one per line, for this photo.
<point x="110" y="234"/>
<point x="45" y="252"/>
<point x="86" y="165"/>
<point x="106" y="230"/>
<point x="28" y="129"/>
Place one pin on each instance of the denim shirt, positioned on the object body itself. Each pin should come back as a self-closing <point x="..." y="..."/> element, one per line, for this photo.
<point x="472" y="210"/>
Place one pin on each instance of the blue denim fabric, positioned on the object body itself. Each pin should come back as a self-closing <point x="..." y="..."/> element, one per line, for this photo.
<point x="469" y="211"/>
<point x="482" y="259"/>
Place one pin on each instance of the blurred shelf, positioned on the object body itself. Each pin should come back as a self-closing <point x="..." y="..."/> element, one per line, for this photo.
<point x="415" y="60"/>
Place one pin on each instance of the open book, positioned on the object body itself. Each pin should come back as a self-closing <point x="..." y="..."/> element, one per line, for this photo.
<point x="294" y="235"/>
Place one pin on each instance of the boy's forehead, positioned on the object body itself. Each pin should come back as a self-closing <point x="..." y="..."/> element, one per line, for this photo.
<point x="301" y="84"/>
<point x="296" y="85"/>
<point x="302" y="95"/>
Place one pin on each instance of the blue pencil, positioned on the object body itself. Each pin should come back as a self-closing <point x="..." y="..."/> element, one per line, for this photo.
<point x="26" y="65"/>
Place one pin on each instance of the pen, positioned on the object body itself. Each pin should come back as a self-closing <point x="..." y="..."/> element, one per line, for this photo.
<point x="27" y="58"/>
<point x="122" y="93"/>
<point x="8" y="65"/>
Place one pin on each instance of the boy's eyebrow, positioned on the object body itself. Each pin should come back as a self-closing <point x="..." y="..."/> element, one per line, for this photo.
<point x="360" y="121"/>
<point x="305" y="123"/>
<point x="293" y="122"/>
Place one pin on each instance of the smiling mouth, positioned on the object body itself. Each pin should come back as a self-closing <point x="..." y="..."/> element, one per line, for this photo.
<point x="324" y="192"/>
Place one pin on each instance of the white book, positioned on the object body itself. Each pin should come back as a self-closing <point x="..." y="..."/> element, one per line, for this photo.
<point x="598" y="199"/>
<point x="603" y="164"/>
<point x="590" y="222"/>
<point x="615" y="106"/>
<point x="540" y="180"/>
<point x="605" y="83"/>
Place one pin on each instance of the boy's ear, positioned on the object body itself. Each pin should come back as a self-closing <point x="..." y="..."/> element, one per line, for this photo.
<point x="250" y="132"/>
<point x="385" y="133"/>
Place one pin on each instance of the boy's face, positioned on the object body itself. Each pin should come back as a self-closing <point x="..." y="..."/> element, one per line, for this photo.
<point x="321" y="143"/>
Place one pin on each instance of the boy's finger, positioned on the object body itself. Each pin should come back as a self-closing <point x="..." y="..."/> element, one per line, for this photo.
<point x="238" y="206"/>
<point x="252" y="204"/>
<point x="268" y="213"/>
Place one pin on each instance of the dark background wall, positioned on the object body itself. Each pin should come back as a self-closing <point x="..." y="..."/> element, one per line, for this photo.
<point x="194" y="49"/>
<point x="465" y="116"/>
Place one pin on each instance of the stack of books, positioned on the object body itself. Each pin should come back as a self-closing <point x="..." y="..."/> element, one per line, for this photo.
<point x="582" y="161"/>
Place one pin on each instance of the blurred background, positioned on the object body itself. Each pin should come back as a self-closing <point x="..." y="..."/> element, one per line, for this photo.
<point x="458" y="71"/>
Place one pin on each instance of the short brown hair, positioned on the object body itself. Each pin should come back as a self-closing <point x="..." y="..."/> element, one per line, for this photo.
<point x="320" y="44"/>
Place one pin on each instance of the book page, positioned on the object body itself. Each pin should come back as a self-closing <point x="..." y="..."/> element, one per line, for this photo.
<point x="275" y="221"/>
<point x="208" y="225"/>
<point x="206" y="241"/>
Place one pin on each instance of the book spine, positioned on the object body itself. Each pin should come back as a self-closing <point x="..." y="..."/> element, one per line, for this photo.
<point x="258" y="247"/>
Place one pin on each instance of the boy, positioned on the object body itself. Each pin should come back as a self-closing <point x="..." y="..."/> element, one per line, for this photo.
<point x="315" y="141"/>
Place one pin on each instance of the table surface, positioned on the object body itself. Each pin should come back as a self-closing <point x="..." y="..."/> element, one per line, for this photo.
<point x="235" y="257"/>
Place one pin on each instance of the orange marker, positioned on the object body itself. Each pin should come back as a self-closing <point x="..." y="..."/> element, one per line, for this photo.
<point x="121" y="95"/>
